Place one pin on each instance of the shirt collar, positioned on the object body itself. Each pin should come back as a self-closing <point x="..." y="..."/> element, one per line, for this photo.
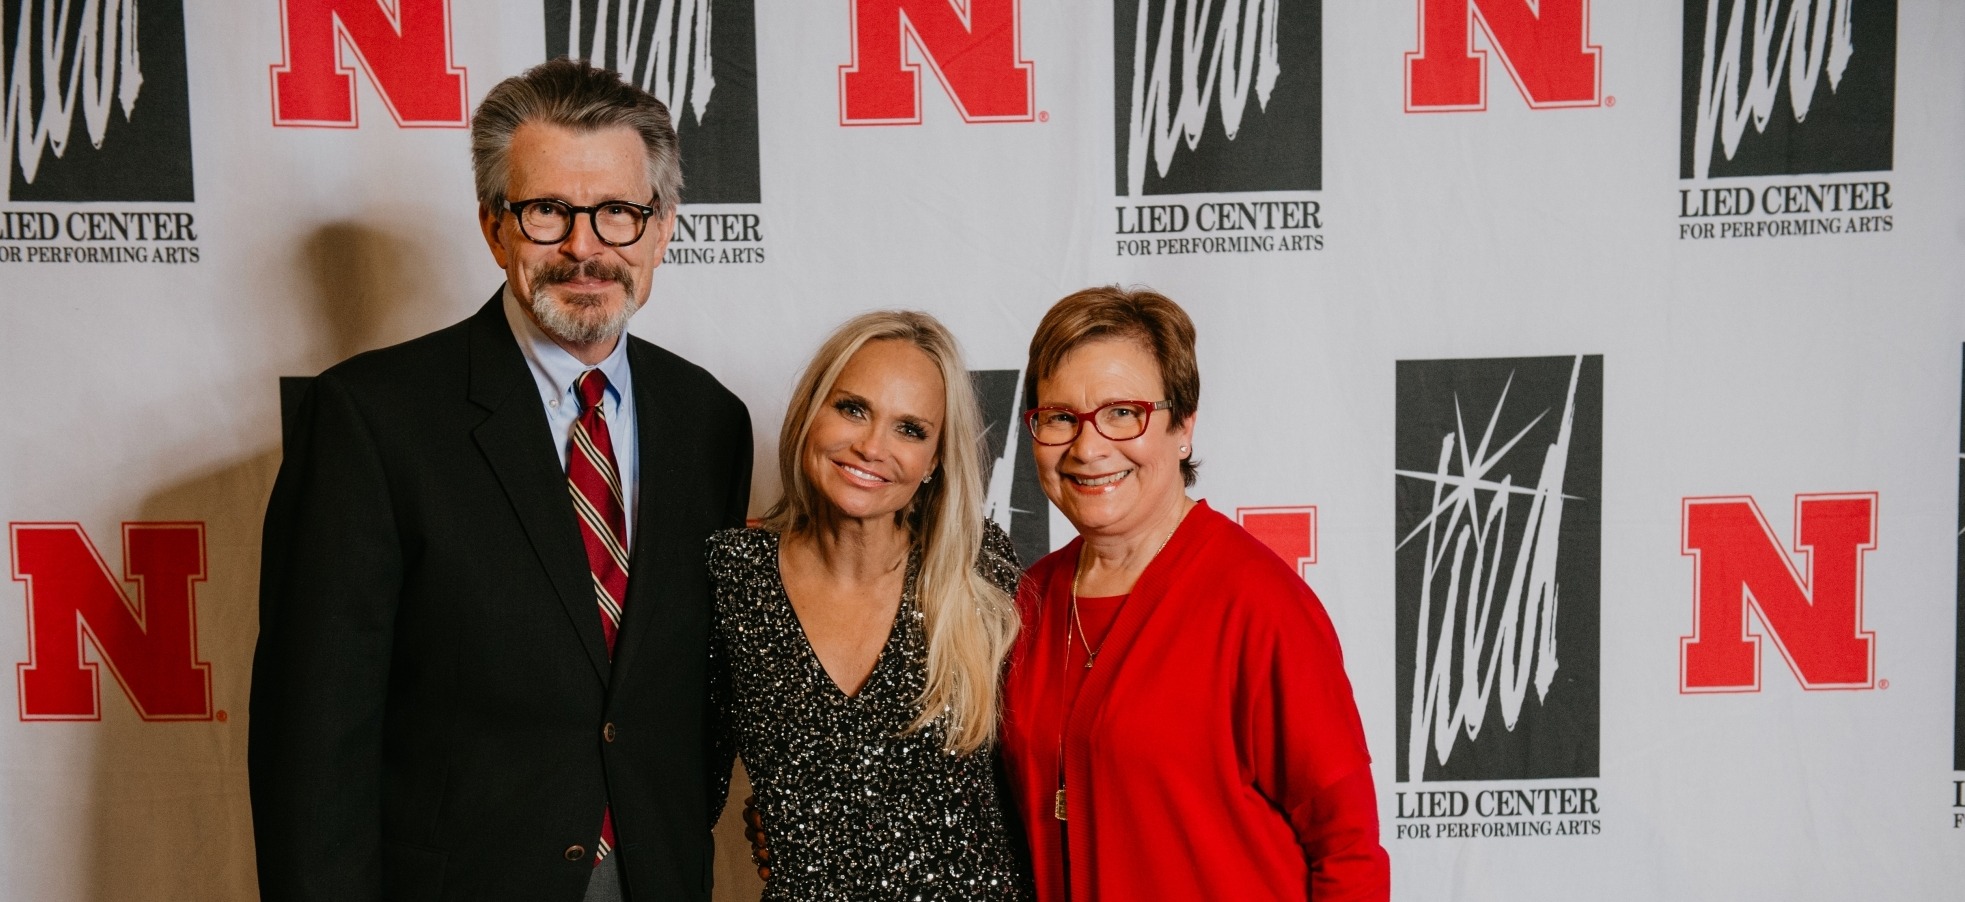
<point x="552" y="365"/>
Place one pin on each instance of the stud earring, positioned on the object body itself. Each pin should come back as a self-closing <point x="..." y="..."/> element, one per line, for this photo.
<point x="928" y="479"/>
<point x="1183" y="449"/>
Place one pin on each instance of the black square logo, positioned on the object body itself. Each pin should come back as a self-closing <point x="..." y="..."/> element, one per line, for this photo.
<point x="1818" y="95"/>
<point x="1958" y="697"/>
<point x="1244" y="114"/>
<point x="1015" y="499"/>
<point x="106" y="116"/>
<point x="707" y="76"/>
<point x="1498" y="481"/>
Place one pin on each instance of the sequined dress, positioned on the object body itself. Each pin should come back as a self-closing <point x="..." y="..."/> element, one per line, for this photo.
<point x="855" y="807"/>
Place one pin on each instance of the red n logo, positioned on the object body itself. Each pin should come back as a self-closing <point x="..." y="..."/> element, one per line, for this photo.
<point x="404" y="46"/>
<point x="974" y="51"/>
<point x="1546" y="47"/>
<point x="1291" y="532"/>
<point x="150" y="642"/>
<point x="1815" y="617"/>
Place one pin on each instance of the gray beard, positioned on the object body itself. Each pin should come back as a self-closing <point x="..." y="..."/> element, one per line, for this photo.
<point x="578" y="318"/>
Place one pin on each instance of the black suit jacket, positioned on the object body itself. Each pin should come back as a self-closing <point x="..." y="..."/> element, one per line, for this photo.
<point x="434" y="715"/>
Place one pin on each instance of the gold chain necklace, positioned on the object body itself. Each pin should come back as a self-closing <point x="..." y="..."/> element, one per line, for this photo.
<point x="1091" y="654"/>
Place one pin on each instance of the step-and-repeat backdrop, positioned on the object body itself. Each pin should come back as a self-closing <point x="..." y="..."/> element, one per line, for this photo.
<point x="1598" y="363"/>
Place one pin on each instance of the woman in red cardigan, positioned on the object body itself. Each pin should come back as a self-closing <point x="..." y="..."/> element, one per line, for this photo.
<point x="1177" y="722"/>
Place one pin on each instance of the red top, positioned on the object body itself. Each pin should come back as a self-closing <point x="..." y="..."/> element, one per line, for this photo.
<point x="1096" y="616"/>
<point x="1212" y="752"/>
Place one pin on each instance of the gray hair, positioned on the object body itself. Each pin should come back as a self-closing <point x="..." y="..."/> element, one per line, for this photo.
<point x="574" y="95"/>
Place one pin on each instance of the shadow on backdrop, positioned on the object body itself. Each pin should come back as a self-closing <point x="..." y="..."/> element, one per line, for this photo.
<point x="171" y="793"/>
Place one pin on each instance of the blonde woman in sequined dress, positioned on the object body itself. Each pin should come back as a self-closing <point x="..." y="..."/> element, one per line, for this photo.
<point x="862" y="629"/>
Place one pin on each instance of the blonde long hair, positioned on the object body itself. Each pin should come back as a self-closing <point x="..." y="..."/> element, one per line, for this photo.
<point x="970" y="623"/>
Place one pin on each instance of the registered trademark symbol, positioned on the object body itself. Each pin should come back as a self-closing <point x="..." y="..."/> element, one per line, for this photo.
<point x="1882" y="684"/>
<point x="1609" y="101"/>
<point x="222" y="716"/>
<point x="1043" y="115"/>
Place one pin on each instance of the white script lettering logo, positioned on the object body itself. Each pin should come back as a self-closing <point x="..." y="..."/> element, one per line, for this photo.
<point x="1470" y="512"/>
<point x="101" y="69"/>
<point x="1243" y="54"/>
<point x="1816" y="34"/>
<point x="674" y="61"/>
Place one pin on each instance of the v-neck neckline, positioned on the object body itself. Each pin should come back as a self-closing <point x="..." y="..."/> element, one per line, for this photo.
<point x="812" y="654"/>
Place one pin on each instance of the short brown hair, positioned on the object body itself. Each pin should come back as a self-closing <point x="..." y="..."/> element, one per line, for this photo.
<point x="574" y="95"/>
<point x="1138" y="313"/>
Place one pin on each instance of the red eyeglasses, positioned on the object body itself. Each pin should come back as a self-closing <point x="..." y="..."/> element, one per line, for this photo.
<point x="1119" y="421"/>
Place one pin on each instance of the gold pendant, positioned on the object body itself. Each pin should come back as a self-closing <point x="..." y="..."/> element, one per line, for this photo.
<point x="1089" y="659"/>
<point x="1057" y="809"/>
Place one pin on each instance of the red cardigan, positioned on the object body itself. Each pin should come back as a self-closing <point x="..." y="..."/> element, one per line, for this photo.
<point x="1214" y="752"/>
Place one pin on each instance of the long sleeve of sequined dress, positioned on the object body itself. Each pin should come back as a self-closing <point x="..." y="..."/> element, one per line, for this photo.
<point x="856" y="806"/>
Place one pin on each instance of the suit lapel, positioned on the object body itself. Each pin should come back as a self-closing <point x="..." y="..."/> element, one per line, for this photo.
<point x="655" y="537"/>
<point x="517" y="444"/>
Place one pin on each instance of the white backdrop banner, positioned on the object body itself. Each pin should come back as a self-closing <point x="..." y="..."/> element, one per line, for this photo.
<point x="1599" y="364"/>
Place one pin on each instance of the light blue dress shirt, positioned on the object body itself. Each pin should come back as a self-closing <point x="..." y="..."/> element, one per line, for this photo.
<point x="556" y="374"/>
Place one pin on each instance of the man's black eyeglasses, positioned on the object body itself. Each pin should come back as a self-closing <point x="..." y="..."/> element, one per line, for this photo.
<point x="545" y="220"/>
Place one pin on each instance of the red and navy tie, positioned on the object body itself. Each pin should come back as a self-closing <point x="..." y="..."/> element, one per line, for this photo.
<point x="596" y="488"/>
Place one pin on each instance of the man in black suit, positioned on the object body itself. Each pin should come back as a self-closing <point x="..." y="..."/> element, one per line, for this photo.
<point x="458" y="693"/>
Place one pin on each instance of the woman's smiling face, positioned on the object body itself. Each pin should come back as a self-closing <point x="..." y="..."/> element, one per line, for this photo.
<point x="1105" y="488"/>
<point x="878" y="433"/>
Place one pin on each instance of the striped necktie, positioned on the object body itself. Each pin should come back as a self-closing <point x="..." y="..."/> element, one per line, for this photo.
<point x="597" y="498"/>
